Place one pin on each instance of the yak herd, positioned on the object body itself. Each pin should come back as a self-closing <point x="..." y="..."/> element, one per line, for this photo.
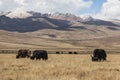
<point x="37" y="54"/>
<point x="97" y="55"/>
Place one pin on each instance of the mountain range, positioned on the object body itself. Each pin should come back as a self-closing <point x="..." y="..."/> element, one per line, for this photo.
<point x="34" y="30"/>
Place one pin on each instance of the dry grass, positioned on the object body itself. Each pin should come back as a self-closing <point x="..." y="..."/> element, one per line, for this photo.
<point x="59" y="67"/>
<point x="91" y="37"/>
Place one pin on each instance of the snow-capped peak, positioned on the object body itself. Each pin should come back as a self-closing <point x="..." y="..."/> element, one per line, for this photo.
<point x="87" y="18"/>
<point x="19" y="14"/>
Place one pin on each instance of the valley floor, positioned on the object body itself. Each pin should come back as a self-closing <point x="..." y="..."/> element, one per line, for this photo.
<point x="59" y="67"/>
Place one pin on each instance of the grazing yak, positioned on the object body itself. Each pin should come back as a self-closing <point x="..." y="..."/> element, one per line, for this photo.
<point x="98" y="55"/>
<point x="57" y="52"/>
<point x="23" y="53"/>
<point x="69" y="52"/>
<point x="72" y="53"/>
<point x="75" y="52"/>
<point x="39" y="54"/>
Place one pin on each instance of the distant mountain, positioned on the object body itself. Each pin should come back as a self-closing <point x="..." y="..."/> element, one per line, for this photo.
<point x="33" y="21"/>
<point x="53" y="30"/>
<point x="67" y="16"/>
<point x="91" y="21"/>
<point x="31" y="24"/>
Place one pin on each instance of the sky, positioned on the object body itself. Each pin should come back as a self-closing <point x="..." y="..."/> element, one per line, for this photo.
<point x="94" y="8"/>
<point x="103" y="9"/>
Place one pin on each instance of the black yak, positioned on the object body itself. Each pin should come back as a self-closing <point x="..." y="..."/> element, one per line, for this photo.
<point x="98" y="55"/>
<point x="39" y="54"/>
<point x="23" y="53"/>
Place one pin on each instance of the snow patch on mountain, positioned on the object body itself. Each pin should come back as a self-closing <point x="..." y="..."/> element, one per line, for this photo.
<point x="19" y="14"/>
<point x="87" y="18"/>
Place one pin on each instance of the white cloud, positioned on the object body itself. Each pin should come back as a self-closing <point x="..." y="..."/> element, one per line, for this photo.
<point x="64" y="6"/>
<point x="0" y="3"/>
<point x="110" y="10"/>
<point x="8" y="5"/>
<point x="20" y="2"/>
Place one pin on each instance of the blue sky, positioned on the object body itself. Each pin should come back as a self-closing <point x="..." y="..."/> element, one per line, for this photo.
<point x="94" y="8"/>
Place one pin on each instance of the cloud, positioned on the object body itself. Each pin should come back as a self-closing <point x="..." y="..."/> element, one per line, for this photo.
<point x="45" y="6"/>
<point x="110" y="10"/>
<point x="8" y="5"/>
<point x="20" y="2"/>
<point x="0" y="3"/>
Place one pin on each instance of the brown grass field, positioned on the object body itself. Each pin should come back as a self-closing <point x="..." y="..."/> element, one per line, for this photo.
<point x="60" y="67"/>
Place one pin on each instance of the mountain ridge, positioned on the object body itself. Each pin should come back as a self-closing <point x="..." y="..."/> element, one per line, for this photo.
<point x="58" y="30"/>
<point x="38" y="21"/>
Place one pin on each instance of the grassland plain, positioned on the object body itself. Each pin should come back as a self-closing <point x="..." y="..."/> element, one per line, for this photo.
<point x="60" y="67"/>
